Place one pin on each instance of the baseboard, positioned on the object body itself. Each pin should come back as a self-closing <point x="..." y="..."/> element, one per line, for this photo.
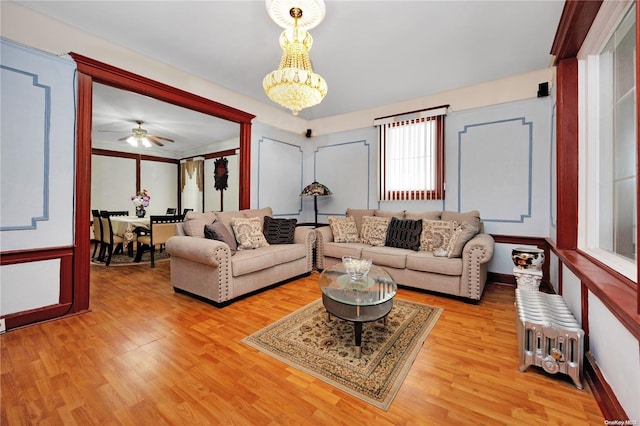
<point x="508" y="279"/>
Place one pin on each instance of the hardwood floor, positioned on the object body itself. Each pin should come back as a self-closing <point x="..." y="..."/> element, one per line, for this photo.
<point x="147" y="356"/>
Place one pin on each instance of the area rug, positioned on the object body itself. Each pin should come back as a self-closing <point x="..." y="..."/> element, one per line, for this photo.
<point x="126" y="260"/>
<point x="325" y="349"/>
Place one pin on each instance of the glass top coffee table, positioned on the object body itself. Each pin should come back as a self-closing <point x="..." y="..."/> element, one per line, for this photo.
<point x="357" y="300"/>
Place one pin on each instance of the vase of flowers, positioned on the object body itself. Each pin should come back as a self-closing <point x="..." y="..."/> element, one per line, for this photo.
<point x="141" y="200"/>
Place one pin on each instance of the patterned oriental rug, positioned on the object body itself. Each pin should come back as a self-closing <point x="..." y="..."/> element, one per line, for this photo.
<point x="305" y="340"/>
<point x="126" y="260"/>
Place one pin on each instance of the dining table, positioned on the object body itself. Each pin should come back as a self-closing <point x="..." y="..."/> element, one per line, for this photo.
<point x="123" y="226"/>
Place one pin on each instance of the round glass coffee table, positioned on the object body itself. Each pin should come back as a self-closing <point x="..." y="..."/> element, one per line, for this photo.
<point x="357" y="300"/>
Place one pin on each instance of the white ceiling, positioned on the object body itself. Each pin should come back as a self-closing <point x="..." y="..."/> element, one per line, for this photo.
<point x="371" y="53"/>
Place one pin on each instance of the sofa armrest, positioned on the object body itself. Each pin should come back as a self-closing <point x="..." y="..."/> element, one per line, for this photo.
<point x="323" y="235"/>
<point x="476" y="254"/>
<point x="306" y="236"/>
<point x="199" y="250"/>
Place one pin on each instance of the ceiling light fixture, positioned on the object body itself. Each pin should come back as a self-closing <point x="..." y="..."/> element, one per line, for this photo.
<point x="139" y="135"/>
<point x="294" y="85"/>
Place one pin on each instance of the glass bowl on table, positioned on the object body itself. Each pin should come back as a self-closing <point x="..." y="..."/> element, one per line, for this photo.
<point x="356" y="268"/>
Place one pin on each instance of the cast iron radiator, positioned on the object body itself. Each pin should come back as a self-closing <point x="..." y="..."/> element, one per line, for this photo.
<point x="548" y="335"/>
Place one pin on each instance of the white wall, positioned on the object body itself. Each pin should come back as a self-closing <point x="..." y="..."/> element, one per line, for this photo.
<point x="113" y="182"/>
<point x="160" y="180"/>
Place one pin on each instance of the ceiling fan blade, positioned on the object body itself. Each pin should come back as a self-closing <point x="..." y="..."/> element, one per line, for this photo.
<point x="124" y="139"/>
<point x="154" y="140"/>
<point x="164" y="139"/>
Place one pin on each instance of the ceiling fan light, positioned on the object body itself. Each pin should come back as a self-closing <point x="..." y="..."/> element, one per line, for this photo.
<point x="132" y="141"/>
<point x="145" y="142"/>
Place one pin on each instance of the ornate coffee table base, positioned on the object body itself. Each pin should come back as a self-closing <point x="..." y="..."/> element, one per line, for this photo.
<point x="357" y="314"/>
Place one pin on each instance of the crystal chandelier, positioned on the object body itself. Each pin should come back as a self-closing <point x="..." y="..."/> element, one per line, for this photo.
<point x="294" y="85"/>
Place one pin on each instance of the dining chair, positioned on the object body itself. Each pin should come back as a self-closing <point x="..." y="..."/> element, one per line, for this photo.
<point x="184" y="212"/>
<point x="97" y="232"/>
<point x="171" y="211"/>
<point x="161" y="228"/>
<point x="118" y="212"/>
<point x="110" y="242"/>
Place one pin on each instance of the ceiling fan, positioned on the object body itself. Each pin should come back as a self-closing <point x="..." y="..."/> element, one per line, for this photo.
<point x="139" y="135"/>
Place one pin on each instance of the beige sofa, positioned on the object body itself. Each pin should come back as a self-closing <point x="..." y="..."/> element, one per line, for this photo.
<point x="443" y="233"/>
<point x="206" y="268"/>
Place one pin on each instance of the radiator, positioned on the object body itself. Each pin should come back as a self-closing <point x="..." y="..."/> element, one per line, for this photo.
<point x="548" y="335"/>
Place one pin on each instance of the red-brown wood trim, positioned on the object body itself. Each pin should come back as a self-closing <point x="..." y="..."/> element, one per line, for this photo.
<point x="602" y="392"/>
<point x="560" y="280"/>
<point x="245" y="169"/>
<point x="133" y="156"/>
<point x="609" y="288"/>
<point x="567" y="153"/>
<point x="540" y="242"/>
<point x="637" y="153"/>
<point x="575" y="22"/>
<point x="584" y="312"/>
<point x="117" y="77"/>
<point x="218" y="154"/>
<point x="66" y="289"/>
<point x="82" y="194"/>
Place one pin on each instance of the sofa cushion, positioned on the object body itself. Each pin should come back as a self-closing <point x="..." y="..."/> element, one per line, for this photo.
<point x="225" y="218"/>
<point x="248" y="232"/>
<point x="248" y="261"/>
<point x="472" y="217"/>
<point x="344" y="229"/>
<point x="436" y="234"/>
<point x="194" y="223"/>
<point x="385" y="213"/>
<point x="404" y="233"/>
<point x="386" y="256"/>
<point x="425" y="261"/>
<point x="288" y="252"/>
<point x="279" y="231"/>
<point x="462" y="234"/>
<point x="358" y="214"/>
<point x="374" y="230"/>
<point x="217" y="231"/>
<point x="338" y="250"/>
<point x="432" y="215"/>
<point x="261" y="213"/>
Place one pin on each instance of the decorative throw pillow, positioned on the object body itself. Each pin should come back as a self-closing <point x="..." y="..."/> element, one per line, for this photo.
<point x="462" y="234"/>
<point x="248" y="233"/>
<point x="404" y="233"/>
<point x="436" y="234"/>
<point x="194" y="222"/>
<point x="344" y="229"/>
<point x="374" y="230"/>
<point x="217" y="231"/>
<point x="279" y="231"/>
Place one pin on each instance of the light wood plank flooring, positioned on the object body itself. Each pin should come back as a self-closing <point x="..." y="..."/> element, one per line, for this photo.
<point x="147" y="356"/>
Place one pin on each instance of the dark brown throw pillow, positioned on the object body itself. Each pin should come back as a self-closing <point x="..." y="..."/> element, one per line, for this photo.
<point x="279" y="231"/>
<point x="404" y="233"/>
<point x="217" y="231"/>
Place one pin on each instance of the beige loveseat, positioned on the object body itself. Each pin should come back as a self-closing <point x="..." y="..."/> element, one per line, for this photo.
<point x="462" y="249"/>
<point x="207" y="268"/>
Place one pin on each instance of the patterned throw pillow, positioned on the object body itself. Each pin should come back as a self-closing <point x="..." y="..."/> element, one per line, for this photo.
<point x="436" y="234"/>
<point x="374" y="230"/>
<point x="248" y="233"/>
<point x="279" y="231"/>
<point x="344" y="229"/>
<point x="462" y="234"/>
<point x="404" y="233"/>
<point x="217" y="231"/>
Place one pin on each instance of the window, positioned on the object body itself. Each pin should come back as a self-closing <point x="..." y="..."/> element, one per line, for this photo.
<point x="609" y="208"/>
<point x="411" y="156"/>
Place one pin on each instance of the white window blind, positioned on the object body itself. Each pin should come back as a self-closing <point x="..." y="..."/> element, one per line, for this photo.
<point x="411" y="155"/>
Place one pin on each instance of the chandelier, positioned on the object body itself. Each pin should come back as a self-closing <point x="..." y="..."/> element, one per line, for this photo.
<point x="294" y="85"/>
